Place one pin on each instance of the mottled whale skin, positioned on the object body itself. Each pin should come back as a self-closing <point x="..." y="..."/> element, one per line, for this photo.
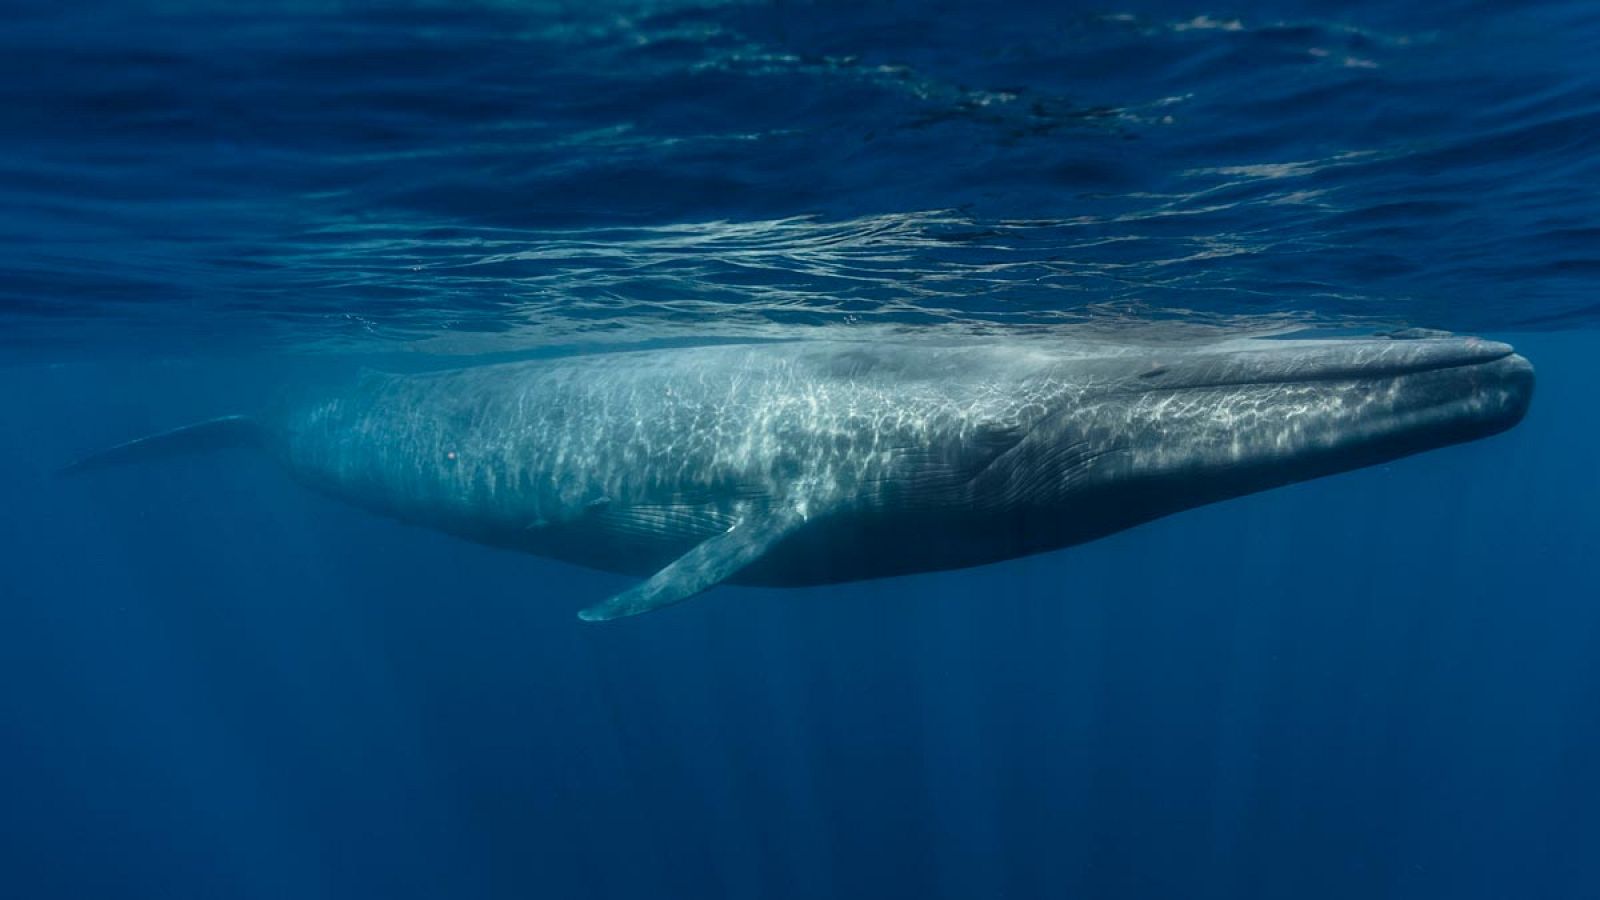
<point x="816" y="462"/>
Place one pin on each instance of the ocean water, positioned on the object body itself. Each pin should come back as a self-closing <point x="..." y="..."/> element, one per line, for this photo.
<point x="214" y="683"/>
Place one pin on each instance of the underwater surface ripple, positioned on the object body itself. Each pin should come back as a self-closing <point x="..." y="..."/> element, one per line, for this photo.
<point x="501" y="176"/>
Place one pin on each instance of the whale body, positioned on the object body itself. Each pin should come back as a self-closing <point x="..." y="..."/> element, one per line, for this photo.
<point x="815" y="462"/>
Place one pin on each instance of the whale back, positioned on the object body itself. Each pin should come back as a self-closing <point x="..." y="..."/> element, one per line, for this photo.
<point x="539" y="443"/>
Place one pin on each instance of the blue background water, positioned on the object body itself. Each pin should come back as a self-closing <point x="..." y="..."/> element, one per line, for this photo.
<point x="1385" y="684"/>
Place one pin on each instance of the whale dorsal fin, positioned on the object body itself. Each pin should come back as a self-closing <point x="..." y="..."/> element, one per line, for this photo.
<point x="711" y="562"/>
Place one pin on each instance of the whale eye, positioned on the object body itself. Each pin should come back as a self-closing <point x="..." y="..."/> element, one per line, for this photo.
<point x="1156" y="369"/>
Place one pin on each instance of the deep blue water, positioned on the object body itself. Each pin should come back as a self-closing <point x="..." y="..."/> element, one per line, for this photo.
<point x="215" y="684"/>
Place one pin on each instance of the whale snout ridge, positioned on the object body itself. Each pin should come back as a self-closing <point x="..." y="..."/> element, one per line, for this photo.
<point x="1517" y="376"/>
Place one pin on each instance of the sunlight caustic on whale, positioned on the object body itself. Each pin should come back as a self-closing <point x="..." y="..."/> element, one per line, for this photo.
<point x="816" y="462"/>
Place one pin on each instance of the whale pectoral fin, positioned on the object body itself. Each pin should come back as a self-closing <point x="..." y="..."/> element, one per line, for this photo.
<point x="713" y="561"/>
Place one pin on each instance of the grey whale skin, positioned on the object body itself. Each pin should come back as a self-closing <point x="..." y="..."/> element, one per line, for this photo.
<point x="815" y="462"/>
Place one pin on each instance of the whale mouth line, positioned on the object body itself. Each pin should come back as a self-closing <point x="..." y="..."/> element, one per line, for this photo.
<point x="1420" y="367"/>
<point x="1359" y="371"/>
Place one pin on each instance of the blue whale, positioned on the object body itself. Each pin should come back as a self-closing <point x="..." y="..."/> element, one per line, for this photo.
<point x="816" y="462"/>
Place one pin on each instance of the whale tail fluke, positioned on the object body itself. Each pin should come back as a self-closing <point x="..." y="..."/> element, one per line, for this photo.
<point x="212" y="434"/>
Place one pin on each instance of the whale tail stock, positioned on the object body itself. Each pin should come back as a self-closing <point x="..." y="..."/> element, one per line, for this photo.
<point x="755" y="531"/>
<point x="213" y="434"/>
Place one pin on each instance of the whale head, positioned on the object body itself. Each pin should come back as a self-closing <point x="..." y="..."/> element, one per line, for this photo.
<point x="1149" y="434"/>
